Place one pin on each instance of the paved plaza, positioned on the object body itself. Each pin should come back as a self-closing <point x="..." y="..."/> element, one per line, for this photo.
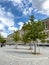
<point x="9" y="55"/>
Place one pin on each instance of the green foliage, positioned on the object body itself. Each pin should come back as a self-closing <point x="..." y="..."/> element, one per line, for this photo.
<point x="43" y="41"/>
<point x="25" y="38"/>
<point x="2" y="40"/>
<point x="42" y="35"/>
<point x="16" y="36"/>
<point x="47" y="41"/>
<point x="34" y="30"/>
<point x="31" y="18"/>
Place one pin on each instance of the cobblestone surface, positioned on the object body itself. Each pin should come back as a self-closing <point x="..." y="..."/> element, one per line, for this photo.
<point x="22" y="56"/>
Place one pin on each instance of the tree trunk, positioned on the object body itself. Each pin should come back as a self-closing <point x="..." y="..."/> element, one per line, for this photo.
<point x="35" y="47"/>
<point x="30" y="45"/>
<point x="16" y="46"/>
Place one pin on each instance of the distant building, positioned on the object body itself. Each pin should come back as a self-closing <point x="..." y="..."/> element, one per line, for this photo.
<point x="9" y="39"/>
<point x="46" y="21"/>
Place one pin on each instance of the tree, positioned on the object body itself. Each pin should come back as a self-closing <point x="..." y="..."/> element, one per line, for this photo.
<point x="25" y="38"/>
<point x="35" y="30"/>
<point x="2" y="40"/>
<point x="16" y="36"/>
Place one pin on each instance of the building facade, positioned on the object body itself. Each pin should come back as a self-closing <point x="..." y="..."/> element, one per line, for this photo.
<point x="46" y="22"/>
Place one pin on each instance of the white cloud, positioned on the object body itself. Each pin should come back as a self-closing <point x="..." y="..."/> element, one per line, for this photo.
<point x="35" y="20"/>
<point x="9" y="14"/>
<point x="42" y="6"/>
<point x="30" y="10"/>
<point x="12" y="28"/>
<point x="25" y="12"/>
<point x="6" y="20"/>
<point x="4" y="34"/>
<point x="46" y="5"/>
<point x="20" y="24"/>
<point x="22" y="7"/>
<point x="16" y="1"/>
<point x="1" y="26"/>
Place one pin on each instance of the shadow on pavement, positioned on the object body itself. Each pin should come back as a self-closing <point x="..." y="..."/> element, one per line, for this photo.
<point x="18" y="52"/>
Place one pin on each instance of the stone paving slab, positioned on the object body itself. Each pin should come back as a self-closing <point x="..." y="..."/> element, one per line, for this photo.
<point x="11" y="56"/>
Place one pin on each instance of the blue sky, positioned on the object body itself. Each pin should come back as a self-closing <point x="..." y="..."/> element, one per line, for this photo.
<point x="14" y="13"/>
